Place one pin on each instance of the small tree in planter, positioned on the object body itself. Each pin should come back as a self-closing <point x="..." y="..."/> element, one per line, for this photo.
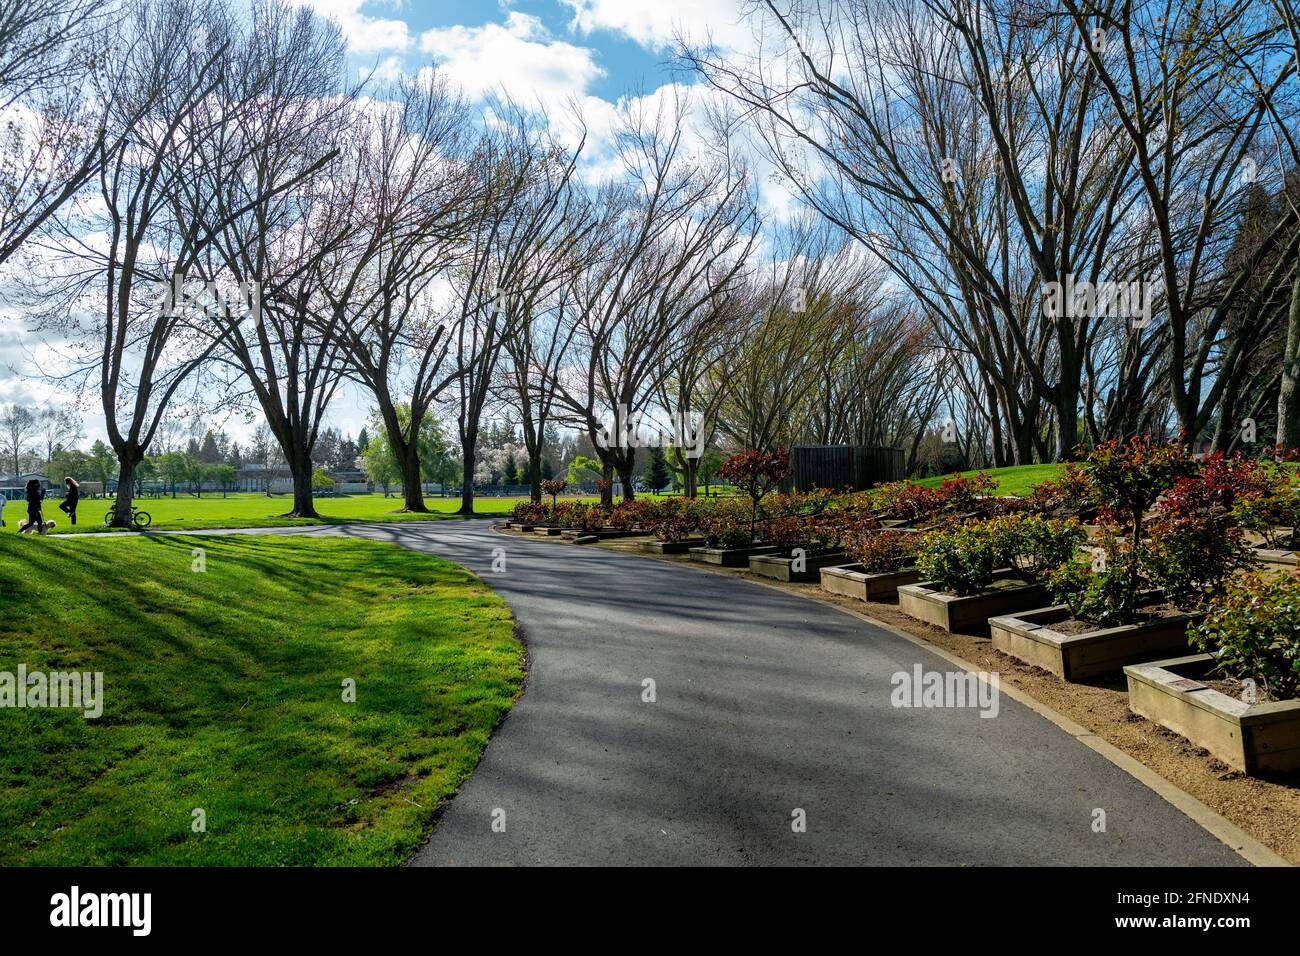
<point x="1128" y="478"/>
<point x="554" y="487"/>
<point x="1253" y="631"/>
<point x="1193" y="548"/>
<point x="756" y="474"/>
<point x="1099" y="590"/>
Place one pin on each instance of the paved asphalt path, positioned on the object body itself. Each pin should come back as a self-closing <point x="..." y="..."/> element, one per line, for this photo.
<point x="765" y="702"/>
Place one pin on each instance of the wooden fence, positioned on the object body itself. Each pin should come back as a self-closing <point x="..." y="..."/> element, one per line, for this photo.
<point x="841" y="466"/>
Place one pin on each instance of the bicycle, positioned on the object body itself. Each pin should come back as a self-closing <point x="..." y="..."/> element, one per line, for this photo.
<point x="139" y="519"/>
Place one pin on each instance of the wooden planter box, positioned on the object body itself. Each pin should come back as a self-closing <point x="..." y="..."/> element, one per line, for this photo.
<point x="600" y="534"/>
<point x="1276" y="560"/>
<point x="852" y="580"/>
<point x="1258" y="539"/>
<point x="969" y="614"/>
<point x="672" y="547"/>
<point x="1028" y="637"/>
<point x="1253" y="738"/>
<point x="728" y="557"/>
<point x="782" y="568"/>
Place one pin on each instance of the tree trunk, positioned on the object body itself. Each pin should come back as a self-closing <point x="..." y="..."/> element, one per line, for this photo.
<point x="607" y="489"/>
<point x="1288" y="399"/>
<point x="125" y="489"/>
<point x="467" y="478"/>
<point x="691" y="470"/>
<point x="412" y="493"/>
<point x="535" y="479"/>
<point x="1067" y="426"/>
<point x="304" y="504"/>
<point x="625" y="476"/>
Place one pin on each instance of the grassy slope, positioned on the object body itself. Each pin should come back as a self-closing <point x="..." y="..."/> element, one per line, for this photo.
<point x="254" y="511"/>
<point x="1015" y="480"/>
<point x="223" y="691"/>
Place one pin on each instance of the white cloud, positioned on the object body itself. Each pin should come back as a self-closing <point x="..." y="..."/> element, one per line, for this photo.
<point x="387" y="71"/>
<point x="364" y="33"/>
<point x="654" y="23"/>
<point x="519" y="57"/>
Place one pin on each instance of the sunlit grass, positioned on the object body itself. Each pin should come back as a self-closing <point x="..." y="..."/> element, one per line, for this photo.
<point x="223" y="691"/>
<point x="258" y="511"/>
<point x="1014" y="480"/>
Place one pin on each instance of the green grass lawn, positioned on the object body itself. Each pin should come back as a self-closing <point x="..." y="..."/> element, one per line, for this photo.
<point x="223" y="691"/>
<point x="1015" y="480"/>
<point x="253" y="511"/>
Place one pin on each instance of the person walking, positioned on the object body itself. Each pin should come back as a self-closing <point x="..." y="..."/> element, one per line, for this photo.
<point x="35" y="521"/>
<point x="69" y="503"/>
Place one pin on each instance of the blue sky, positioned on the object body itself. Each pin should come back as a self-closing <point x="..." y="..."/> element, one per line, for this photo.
<point x="625" y="63"/>
<point x="599" y="48"/>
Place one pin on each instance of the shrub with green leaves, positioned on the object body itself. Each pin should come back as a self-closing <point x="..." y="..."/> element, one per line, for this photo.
<point x="1035" y="545"/>
<point x="1191" y="558"/>
<point x="1099" y="589"/>
<point x="1253" y="631"/>
<point x="962" y="560"/>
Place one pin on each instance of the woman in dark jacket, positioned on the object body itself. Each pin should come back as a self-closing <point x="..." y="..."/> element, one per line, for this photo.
<point x="35" y="522"/>
<point x="69" y="502"/>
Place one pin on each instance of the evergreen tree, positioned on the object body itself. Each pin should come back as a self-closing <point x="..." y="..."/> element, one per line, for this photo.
<point x="548" y="470"/>
<point x="512" y="470"/>
<point x="656" y="475"/>
<point x="208" y="453"/>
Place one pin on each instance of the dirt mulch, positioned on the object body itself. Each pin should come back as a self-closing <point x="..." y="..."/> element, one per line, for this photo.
<point x="1266" y="808"/>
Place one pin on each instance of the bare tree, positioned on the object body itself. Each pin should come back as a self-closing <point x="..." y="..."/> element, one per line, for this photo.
<point x="519" y="246"/>
<point x="124" y="299"/>
<point x="413" y="158"/>
<point x="18" y="426"/>
<point x="281" y="338"/>
<point x="54" y="82"/>
<point x="674" y="239"/>
<point x="59" y="429"/>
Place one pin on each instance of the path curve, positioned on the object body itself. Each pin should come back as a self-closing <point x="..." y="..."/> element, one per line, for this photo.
<point x="766" y="703"/>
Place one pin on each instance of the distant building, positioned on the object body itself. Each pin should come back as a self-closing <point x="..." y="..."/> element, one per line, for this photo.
<point x="13" y="487"/>
<point x="349" y="481"/>
<point x="278" y="479"/>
